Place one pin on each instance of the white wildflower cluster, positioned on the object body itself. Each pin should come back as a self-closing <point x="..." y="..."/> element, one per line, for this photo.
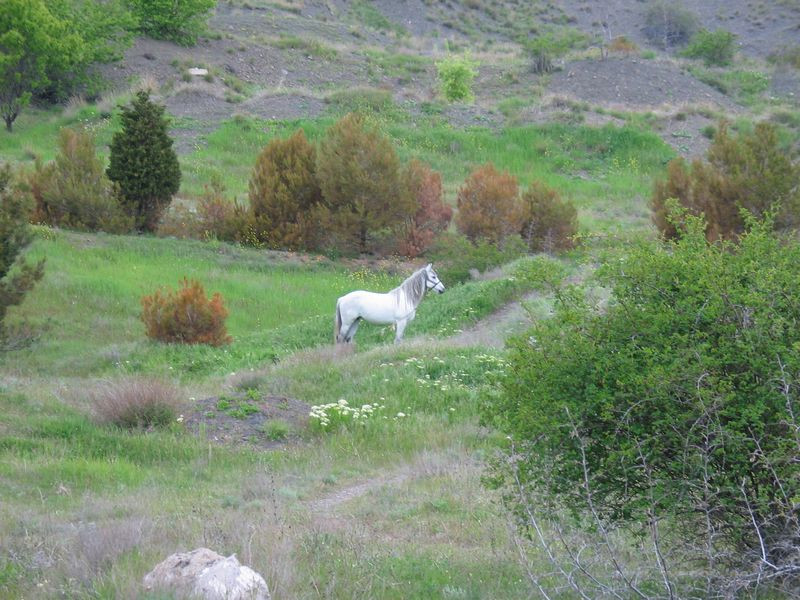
<point x="451" y="327"/>
<point x="341" y="412"/>
<point x="493" y="364"/>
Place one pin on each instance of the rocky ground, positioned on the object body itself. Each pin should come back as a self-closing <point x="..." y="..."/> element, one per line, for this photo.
<point x="281" y="60"/>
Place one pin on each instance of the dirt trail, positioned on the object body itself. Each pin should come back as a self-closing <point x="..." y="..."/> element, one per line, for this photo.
<point x="332" y="501"/>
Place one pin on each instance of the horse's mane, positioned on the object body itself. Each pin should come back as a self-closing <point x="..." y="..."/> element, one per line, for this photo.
<point x="414" y="287"/>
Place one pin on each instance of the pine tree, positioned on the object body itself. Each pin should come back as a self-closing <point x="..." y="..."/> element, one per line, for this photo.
<point x="15" y="235"/>
<point x="143" y="162"/>
<point x="284" y="191"/>
<point x="359" y="174"/>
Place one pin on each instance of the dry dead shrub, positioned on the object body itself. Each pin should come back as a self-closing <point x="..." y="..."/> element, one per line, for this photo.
<point x="185" y="316"/>
<point x="549" y="224"/>
<point x="432" y="215"/>
<point x="135" y="403"/>
<point x="488" y="205"/>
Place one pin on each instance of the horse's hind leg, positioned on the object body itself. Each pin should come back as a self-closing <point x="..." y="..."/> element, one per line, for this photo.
<point x="351" y="332"/>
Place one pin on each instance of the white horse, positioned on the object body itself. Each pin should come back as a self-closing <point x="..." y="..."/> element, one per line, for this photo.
<point x="397" y="306"/>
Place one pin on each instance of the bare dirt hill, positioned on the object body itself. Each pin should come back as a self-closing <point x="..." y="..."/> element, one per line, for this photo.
<point x="282" y="60"/>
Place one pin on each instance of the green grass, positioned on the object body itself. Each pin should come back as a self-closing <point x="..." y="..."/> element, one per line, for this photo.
<point x="87" y="307"/>
<point x="312" y="47"/>
<point x="127" y="499"/>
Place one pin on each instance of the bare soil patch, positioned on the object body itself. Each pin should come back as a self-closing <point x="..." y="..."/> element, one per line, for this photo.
<point x="634" y="84"/>
<point x="237" y="418"/>
<point x="761" y="27"/>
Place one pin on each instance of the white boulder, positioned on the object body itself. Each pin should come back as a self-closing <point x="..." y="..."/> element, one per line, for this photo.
<point x="206" y="575"/>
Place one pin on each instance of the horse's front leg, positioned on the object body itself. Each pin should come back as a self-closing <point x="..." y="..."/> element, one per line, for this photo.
<point x="400" y="327"/>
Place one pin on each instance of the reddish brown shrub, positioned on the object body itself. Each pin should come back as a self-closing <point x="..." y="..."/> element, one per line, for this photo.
<point x="488" y="205"/>
<point x="185" y="316"/>
<point x="549" y="223"/>
<point x="283" y="193"/>
<point x="359" y="174"/>
<point x="214" y="216"/>
<point x="622" y="45"/>
<point x="749" y="171"/>
<point x="432" y="215"/>
<point x="133" y="403"/>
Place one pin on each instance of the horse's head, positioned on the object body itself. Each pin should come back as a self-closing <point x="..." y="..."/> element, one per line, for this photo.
<point x="433" y="282"/>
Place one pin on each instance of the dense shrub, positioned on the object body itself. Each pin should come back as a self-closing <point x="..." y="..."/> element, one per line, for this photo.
<point x="456" y="74"/>
<point x="180" y="21"/>
<point x="73" y="190"/>
<point x="488" y="205"/>
<point x="213" y="216"/>
<point x="749" y="171"/>
<point x="185" y="316"/>
<point x="284" y="193"/>
<point x="431" y="215"/>
<point x="669" y="24"/>
<point x="143" y="162"/>
<point x="622" y="45"/>
<point x="135" y="403"/>
<point x="458" y="260"/>
<point x="716" y="48"/>
<point x="17" y="276"/>
<point x="677" y="403"/>
<point x="552" y="43"/>
<point x="359" y="175"/>
<point x="549" y="223"/>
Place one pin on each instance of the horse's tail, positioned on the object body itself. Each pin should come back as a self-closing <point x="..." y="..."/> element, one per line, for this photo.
<point x="337" y="324"/>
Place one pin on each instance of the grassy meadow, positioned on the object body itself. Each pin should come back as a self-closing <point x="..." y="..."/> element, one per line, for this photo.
<point x="392" y="507"/>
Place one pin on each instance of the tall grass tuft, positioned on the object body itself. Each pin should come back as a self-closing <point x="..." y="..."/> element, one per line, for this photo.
<point x="135" y="403"/>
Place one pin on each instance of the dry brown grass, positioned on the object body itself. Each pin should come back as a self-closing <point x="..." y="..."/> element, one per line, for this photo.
<point x="135" y="402"/>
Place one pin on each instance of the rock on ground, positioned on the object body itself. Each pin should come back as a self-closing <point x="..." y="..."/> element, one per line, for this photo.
<point x="202" y="573"/>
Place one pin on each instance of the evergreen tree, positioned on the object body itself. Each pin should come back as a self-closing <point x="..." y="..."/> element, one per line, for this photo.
<point x="15" y="235"/>
<point x="284" y="193"/>
<point x="359" y="175"/>
<point x="143" y="162"/>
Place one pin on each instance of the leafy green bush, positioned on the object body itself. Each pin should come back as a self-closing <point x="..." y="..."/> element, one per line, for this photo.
<point x="73" y="190"/>
<point x="180" y="21"/>
<point x="457" y="259"/>
<point x="550" y="44"/>
<point x="143" y="162"/>
<point x="675" y="402"/>
<point x="716" y="48"/>
<point x="669" y="23"/>
<point x="456" y="74"/>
